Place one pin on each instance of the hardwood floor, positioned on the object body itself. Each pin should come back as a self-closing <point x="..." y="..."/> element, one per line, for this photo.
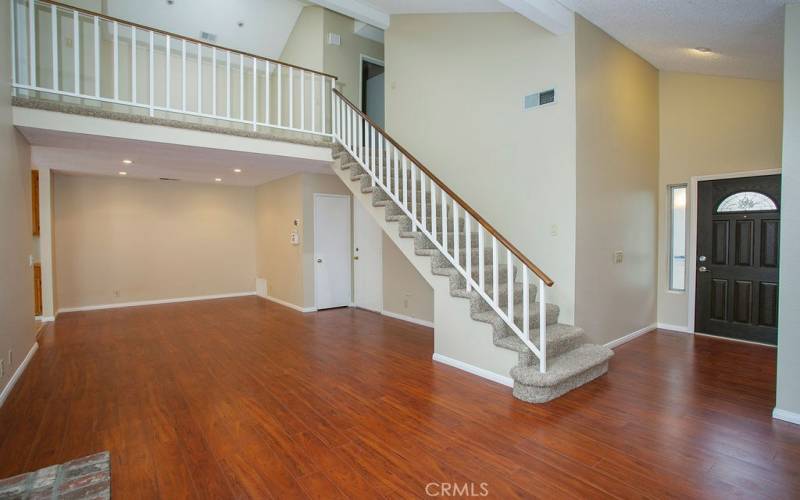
<point x="245" y="398"/>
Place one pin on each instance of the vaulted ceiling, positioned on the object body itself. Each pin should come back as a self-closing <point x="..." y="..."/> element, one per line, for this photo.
<point x="745" y="36"/>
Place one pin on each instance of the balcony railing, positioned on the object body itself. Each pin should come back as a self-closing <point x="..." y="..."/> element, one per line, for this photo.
<point x="74" y="53"/>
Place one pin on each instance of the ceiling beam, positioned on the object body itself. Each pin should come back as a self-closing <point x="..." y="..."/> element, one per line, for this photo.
<point x="359" y="11"/>
<point x="549" y="14"/>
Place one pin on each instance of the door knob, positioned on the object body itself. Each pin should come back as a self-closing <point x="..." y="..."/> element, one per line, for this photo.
<point x="319" y="261"/>
<point x="703" y="269"/>
<point x="702" y="258"/>
<point x="355" y="257"/>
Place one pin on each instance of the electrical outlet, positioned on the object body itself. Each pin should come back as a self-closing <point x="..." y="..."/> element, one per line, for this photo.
<point x="116" y="293"/>
<point x="554" y="230"/>
<point x="405" y="303"/>
<point x="2" y="368"/>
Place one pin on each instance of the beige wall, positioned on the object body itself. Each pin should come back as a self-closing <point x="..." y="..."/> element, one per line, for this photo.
<point x="344" y="60"/>
<point x="617" y="177"/>
<point x="788" y="395"/>
<point x="305" y="44"/>
<point x="150" y="240"/>
<point x="278" y="204"/>
<point x="16" y="292"/>
<point x="710" y="125"/>
<point x="405" y="291"/>
<point x="287" y="268"/>
<point x="455" y="87"/>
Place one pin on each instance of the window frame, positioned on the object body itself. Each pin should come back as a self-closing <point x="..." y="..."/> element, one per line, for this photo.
<point x="671" y="188"/>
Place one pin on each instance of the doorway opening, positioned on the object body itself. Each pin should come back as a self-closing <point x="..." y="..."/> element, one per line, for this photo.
<point x="736" y="262"/>
<point x="372" y="89"/>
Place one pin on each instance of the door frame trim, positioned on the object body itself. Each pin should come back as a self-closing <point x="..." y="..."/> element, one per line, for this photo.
<point x="349" y="243"/>
<point x="361" y="59"/>
<point x="691" y="255"/>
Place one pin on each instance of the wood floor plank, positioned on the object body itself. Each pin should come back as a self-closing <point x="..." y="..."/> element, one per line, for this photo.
<point x="242" y="398"/>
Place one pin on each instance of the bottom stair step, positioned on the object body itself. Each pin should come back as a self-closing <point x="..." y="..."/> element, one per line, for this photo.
<point x="564" y="373"/>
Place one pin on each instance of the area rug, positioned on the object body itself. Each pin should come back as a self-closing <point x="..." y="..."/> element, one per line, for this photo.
<point x="83" y="478"/>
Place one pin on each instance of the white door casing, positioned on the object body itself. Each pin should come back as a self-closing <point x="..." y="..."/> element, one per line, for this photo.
<point x="332" y="253"/>
<point x="367" y="260"/>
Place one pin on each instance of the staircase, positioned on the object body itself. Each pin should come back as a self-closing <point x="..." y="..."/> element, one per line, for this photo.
<point x="371" y="164"/>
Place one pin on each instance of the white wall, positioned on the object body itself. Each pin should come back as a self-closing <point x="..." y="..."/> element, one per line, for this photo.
<point x="788" y="392"/>
<point x="617" y="193"/>
<point x="16" y="276"/>
<point x="267" y="23"/>
<point x="455" y="87"/>
<point x="128" y="240"/>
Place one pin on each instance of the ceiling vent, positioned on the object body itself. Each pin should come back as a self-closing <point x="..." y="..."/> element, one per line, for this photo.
<point x="170" y="179"/>
<point x="208" y="37"/>
<point x="539" y="99"/>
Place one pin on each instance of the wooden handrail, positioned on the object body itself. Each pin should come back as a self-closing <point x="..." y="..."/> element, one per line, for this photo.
<point x="182" y="37"/>
<point x="475" y="215"/>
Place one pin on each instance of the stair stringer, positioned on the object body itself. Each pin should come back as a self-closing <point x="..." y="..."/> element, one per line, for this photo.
<point x="458" y="339"/>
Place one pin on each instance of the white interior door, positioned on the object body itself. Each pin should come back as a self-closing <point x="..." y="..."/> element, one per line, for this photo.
<point x="332" y="256"/>
<point x="367" y="260"/>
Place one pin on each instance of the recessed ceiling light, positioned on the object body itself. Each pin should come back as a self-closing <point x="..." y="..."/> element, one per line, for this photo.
<point x="703" y="50"/>
<point x="237" y="170"/>
<point x="217" y="180"/>
<point x="127" y="162"/>
<point x="123" y="173"/>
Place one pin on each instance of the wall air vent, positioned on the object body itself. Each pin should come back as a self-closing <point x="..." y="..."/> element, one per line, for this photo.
<point x="208" y="37"/>
<point x="539" y="99"/>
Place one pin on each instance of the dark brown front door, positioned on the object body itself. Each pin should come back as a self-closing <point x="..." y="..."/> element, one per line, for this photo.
<point x="738" y="230"/>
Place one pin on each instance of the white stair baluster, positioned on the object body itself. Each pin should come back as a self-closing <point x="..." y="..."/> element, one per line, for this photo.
<point x="444" y="221"/>
<point x="396" y="174"/>
<point x="213" y="79"/>
<point x="405" y="182"/>
<point x="481" y="263"/>
<point x="183" y="75"/>
<point x="542" y="328"/>
<point x="413" y="197"/>
<point x="255" y="94"/>
<point x="510" y="285"/>
<point x="468" y="250"/>
<point x="115" y="56"/>
<point x="54" y="39"/>
<point x="423" y="201"/>
<point x="313" y="102"/>
<point x="455" y="234"/>
<point x="76" y="51"/>
<point x="526" y="302"/>
<point x="495" y="273"/>
<point x="433" y="211"/>
<point x="302" y="99"/>
<point x="241" y="87"/>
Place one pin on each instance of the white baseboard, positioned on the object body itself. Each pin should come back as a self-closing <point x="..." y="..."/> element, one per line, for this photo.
<point x="672" y="328"/>
<point x="786" y="416"/>
<point x="45" y="319"/>
<point x="17" y="374"/>
<point x="506" y="381"/>
<point x="154" y="302"/>
<point x="410" y="319"/>
<point x="290" y="305"/>
<point x="627" y="338"/>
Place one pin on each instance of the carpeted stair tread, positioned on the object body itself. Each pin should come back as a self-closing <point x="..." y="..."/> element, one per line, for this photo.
<point x="551" y="312"/>
<point x="561" y="368"/>
<point x="560" y="339"/>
